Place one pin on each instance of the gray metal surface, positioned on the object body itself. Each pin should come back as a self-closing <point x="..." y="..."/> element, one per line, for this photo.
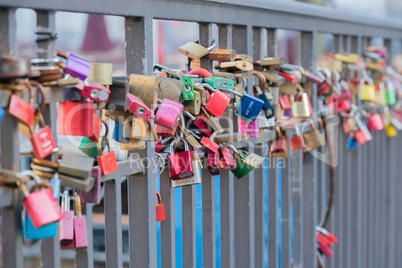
<point x="286" y="212"/>
<point x="296" y="176"/>
<point x="188" y="223"/>
<point x="167" y="226"/>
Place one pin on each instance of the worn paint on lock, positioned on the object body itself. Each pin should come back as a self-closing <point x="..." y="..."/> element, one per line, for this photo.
<point x="213" y="164"/>
<point x="226" y="159"/>
<point x="90" y="148"/>
<point x="30" y="232"/>
<point x="136" y="106"/>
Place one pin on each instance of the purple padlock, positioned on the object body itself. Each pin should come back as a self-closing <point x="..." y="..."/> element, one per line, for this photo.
<point x="77" y="67"/>
<point x="93" y="196"/>
<point x="382" y="53"/>
<point x="251" y="128"/>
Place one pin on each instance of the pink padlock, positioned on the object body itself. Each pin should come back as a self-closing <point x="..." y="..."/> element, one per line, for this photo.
<point x="93" y="91"/>
<point x="251" y="128"/>
<point x="66" y="224"/>
<point x="93" y="196"/>
<point x="80" y="229"/>
<point x="138" y="107"/>
<point x="374" y="122"/>
<point x="168" y="114"/>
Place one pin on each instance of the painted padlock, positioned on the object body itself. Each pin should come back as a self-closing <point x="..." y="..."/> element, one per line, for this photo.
<point x="138" y="107"/>
<point x="74" y="117"/>
<point x="77" y="67"/>
<point x="213" y="164"/>
<point x="160" y="208"/>
<point x="226" y="157"/>
<point x="93" y="91"/>
<point x="80" y="227"/>
<point x="66" y="224"/>
<point x="168" y="114"/>
<point x="180" y="164"/>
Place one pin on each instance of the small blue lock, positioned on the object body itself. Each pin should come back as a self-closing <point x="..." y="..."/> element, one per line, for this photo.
<point x="351" y="143"/>
<point x="249" y="108"/>
<point x="30" y="232"/>
<point x="118" y="133"/>
<point x="55" y="184"/>
<point x="2" y="112"/>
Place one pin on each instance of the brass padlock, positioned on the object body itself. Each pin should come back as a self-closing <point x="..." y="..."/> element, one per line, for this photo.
<point x="133" y="145"/>
<point x="196" y="51"/>
<point x="135" y="128"/>
<point x="101" y="73"/>
<point x="230" y="138"/>
<point x="313" y="139"/>
<point x="193" y="106"/>
<point x="273" y="78"/>
<point x="146" y="88"/>
<point x="272" y="61"/>
<point x="194" y="63"/>
<point x="244" y="57"/>
<point x="301" y="108"/>
<point x="222" y="54"/>
<point x="240" y="65"/>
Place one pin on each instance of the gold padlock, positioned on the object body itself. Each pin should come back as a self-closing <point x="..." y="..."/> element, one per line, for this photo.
<point x="101" y="73"/>
<point x="133" y="145"/>
<point x="135" y="128"/>
<point x="313" y="139"/>
<point x="240" y="65"/>
<point x="222" y="54"/>
<point x="194" y="105"/>
<point x="301" y="108"/>
<point x="146" y="87"/>
<point x="244" y="57"/>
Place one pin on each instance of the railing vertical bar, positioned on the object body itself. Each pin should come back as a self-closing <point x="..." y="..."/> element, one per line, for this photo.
<point x="113" y="231"/>
<point x="384" y="206"/>
<point x="208" y="181"/>
<point x="377" y="196"/>
<point x="188" y="223"/>
<point x="371" y="200"/>
<point x="11" y="236"/>
<point x="226" y="177"/>
<point x="84" y="256"/>
<point x="259" y="182"/>
<point x="307" y="177"/>
<point x="141" y="187"/>
<point x="273" y="177"/>
<point x="286" y="239"/>
<point x="244" y="187"/>
<point x="398" y="196"/>
<point x="168" y="225"/>
<point x="298" y="205"/>
<point x="50" y="247"/>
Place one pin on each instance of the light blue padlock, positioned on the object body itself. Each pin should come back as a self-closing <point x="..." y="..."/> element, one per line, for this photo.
<point x="30" y="232"/>
<point x="55" y="184"/>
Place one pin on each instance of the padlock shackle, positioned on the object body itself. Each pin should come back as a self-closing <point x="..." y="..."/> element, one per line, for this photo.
<point x="311" y="123"/>
<point x="229" y="146"/>
<point x="213" y="44"/>
<point x="77" y="200"/>
<point x="99" y="143"/>
<point x="41" y="89"/>
<point x="159" y="198"/>
<point x="261" y="78"/>
<point x="41" y="185"/>
<point x="200" y="71"/>
<point x="163" y="165"/>
<point x="207" y="86"/>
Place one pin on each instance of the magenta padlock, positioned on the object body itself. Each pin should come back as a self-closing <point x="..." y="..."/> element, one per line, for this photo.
<point x="168" y="114"/>
<point x="93" y="196"/>
<point x="180" y="164"/>
<point x="80" y="227"/>
<point x="138" y="107"/>
<point x="77" y="67"/>
<point x="93" y="91"/>
<point x="226" y="158"/>
<point x="251" y="128"/>
<point x="374" y="122"/>
<point x="66" y="224"/>
<point x="213" y="164"/>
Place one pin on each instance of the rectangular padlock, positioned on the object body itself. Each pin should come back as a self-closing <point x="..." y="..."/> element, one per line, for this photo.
<point x="78" y="184"/>
<point x="193" y="106"/>
<point x="66" y="224"/>
<point x="93" y="91"/>
<point x="21" y="110"/>
<point x="168" y="114"/>
<point x="76" y="166"/>
<point x="138" y="107"/>
<point x="42" y="142"/>
<point x="222" y="54"/>
<point x="160" y="208"/>
<point x="77" y="67"/>
<point x="251" y="128"/>
<point x="239" y="65"/>
<point x="93" y="195"/>
<point x="118" y="94"/>
<point x="195" y="179"/>
<point x="80" y="227"/>
<point x="74" y="117"/>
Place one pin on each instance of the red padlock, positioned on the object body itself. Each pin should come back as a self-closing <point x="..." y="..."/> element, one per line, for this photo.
<point x="374" y="122"/>
<point x="42" y="141"/>
<point x="289" y="77"/>
<point x="226" y="157"/>
<point x="160" y="208"/>
<point x="180" y="164"/>
<point x="41" y="207"/>
<point x="93" y="91"/>
<point x="74" y="117"/>
<point x="296" y="142"/>
<point x="138" y="107"/>
<point x="96" y="128"/>
<point x="278" y="145"/>
<point x="217" y="103"/>
<point x="168" y="114"/>
<point x="326" y="251"/>
<point x="164" y="131"/>
<point x="107" y="162"/>
<point x="208" y="145"/>
<point x="203" y="126"/>
<point x="284" y="102"/>
<point x="360" y="137"/>
<point x="20" y="109"/>
<point x="213" y="164"/>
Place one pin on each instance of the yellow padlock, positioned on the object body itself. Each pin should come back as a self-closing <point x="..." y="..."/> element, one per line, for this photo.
<point x="391" y="131"/>
<point x="367" y="92"/>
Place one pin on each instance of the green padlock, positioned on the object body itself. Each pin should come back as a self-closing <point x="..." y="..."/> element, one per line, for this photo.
<point x="220" y="83"/>
<point x="390" y="93"/>
<point x="242" y="169"/>
<point x="187" y="89"/>
<point x="90" y="148"/>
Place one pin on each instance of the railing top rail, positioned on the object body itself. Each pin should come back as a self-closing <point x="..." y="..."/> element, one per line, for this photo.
<point x="272" y="14"/>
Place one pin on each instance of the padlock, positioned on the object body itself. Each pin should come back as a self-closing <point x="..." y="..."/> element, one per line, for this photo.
<point x="78" y="184"/>
<point x="279" y="145"/>
<point x="77" y="67"/>
<point x="93" y="91"/>
<point x="42" y="141"/>
<point x="76" y="166"/>
<point x="193" y="106"/>
<point x="118" y="133"/>
<point x="180" y="164"/>
<point x="362" y="128"/>
<point x="203" y="126"/>
<point x="374" y="122"/>
<point x="249" y="107"/>
<point x="74" y="117"/>
<point x="367" y="92"/>
<point x="190" y="138"/>
<point x="242" y="169"/>
<point x="238" y="65"/>
<point x="162" y="145"/>
<point x="351" y="143"/>
<point x="118" y="94"/>
<point x="289" y="85"/>
<point x="164" y="131"/>
<point x="195" y="179"/>
<point x="273" y="78"/>
<point x="160" y="208"/>
<point x="93" y="195"/>
<point x="326" y="251"/>
<point x="208" y="145"/>
<point x="230" y="138"/>
<point x="187" y="90"/>
<point x="391" y="131"/>
<point x="55" y="184"/>
<point x="312" y="139"/>
<point x="91" y="148"/>
<point x="107" y="162"/>
<point x="138" y="107"/>
<point x="296" y="142"/>
<point x="226" y="157"/>
<point x="222" y="54"/>
<point x="146" y="88"/>
<point x="263" y="122"/>
<point x="252" y="128"/>
<point x="101" y="73"/>
<point x="196" y="51"/>
<point x="97" y="125"/>
<point x="41" y="207"/>
<point x="168" y="114"/>
<point x="80" y="228"/>
<point x="212" y="122"/>
<point x="66" y="224"/>
<point x="269" y="111"/>
<point x="133" y="145"/>
<point x="194" y="63"/>
<point x="217" y="103"/>
<point x="301" y="108"/>
<point x="213" y="164"/>
<point x="203" y="94"/>
<point x="30" y="232"/>
<point x="360" y="137"/>
<point x="348" y="125"/>
<point x="20" y="109"/>
<point x="390" y="95"/>
<point x="135" y="128"/>
<point x="220" y="83"/>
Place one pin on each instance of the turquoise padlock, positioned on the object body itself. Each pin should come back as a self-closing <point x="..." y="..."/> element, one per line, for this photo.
<point x="30" y="232"/>
<point x="90" y="148"/>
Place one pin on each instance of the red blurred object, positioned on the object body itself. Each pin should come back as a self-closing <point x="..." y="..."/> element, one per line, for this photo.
<point x="96" y="36"/>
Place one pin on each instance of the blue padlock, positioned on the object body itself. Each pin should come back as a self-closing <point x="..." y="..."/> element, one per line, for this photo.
<point x="55" y="184"/>
<point x="2" y="112"/>
<point x="249" y="108"/>
<point x="351" y="143"/>
<point x="118" y="133"/>
<point x="30" y="232"/>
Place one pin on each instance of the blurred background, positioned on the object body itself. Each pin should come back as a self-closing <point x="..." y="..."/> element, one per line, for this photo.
<point x="100" y="38"/>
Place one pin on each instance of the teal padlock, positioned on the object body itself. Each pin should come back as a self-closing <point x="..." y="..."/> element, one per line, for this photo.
<point x="220" y="83"/>
<point x="30" y="232"/>
<point x="187" y="90"/>
<point x="90" y="148"/>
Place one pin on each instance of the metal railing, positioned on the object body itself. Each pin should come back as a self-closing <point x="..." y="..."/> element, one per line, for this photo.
<point x="366" y="205"/>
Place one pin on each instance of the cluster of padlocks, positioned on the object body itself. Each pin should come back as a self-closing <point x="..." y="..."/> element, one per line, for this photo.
<point x="182" y="112"/>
